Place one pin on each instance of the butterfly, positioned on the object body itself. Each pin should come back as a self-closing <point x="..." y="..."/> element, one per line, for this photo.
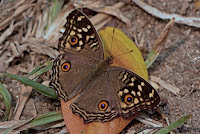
<point x="105" y="91"/>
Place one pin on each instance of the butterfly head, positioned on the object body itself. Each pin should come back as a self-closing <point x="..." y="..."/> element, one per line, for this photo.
<point x="109" y="60"/>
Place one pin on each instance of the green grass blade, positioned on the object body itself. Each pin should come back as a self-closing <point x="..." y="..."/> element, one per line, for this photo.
<point x="173" y="125"/>
<point x="35" y="70"/>
<point x="46" y="118"/>
<point x="53" y="13"/>
<point x="38" y="121"/>
<point x="47" y="67"/>
<point x="7" y="100"/>
<point x="151" y="58"/>
<point x="57" y="6"/>
<point x="49" y="92"/>
<point x="159" y="43"/>
<point x="41" y="69"/>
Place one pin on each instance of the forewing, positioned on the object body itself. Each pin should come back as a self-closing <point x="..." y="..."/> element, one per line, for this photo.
<point x="81" y="36"/>
<point x="68" y="80"/>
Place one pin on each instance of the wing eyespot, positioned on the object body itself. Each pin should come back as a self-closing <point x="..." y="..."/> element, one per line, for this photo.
<point x="73" y="40"/>
<point x="128" y="99"/>
<point x="65" y="67"/>
<point x="103" y="105"/>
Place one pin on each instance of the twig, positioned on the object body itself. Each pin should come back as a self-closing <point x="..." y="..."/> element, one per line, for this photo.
<point x="159" y="43"/>
<point x="173" y="89"/>
<point x="190" y="21"/>
<point x="148" y="121"/>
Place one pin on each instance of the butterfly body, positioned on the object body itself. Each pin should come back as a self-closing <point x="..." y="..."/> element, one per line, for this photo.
<point x="105" y="91"/>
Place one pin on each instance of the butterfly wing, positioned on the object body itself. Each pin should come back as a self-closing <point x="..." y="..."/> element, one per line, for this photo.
<point x="69" y="73"/>
<point x="80" y="36"/>
<point x="121" y="90"/>
<point x="97" y="102"/>
<point x="133" y="92"/>
<point x="82" y="49"/>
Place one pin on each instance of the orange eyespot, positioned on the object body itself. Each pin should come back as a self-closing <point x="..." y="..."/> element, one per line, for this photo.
<point x="128" y="99"/>
<point x="66" y="66"/>
<point x="73" y="40"/>
<point x="103" y="105"/>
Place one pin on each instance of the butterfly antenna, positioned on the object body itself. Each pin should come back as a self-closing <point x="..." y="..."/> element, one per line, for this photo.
<point x="123" y="53"/>
<point x="112" y="42"/>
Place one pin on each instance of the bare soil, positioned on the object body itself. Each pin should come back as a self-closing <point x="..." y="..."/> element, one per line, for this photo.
<point x="174" y="65"/>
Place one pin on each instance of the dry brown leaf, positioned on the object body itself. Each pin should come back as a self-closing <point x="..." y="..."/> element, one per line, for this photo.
<point x="7" y="32"/>
<point x="6" y="21"/>
<point x="13" y="124"/>
<point x="40" y="46"/>
<point x="76" y="125"/>
<point x="88" y="3"/>
<point x="9" y="6"/>
<point x="111" y="10"/>
<point x="158" y="44"/>
<point x="22" y="9"/>
<point x="102" y="18"/>
<point x="108" y="10"/>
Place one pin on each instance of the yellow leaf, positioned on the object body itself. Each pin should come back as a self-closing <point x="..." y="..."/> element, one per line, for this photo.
<point x="122" y="45"/>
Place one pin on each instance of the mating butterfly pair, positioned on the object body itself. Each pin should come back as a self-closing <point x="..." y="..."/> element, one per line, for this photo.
<point x="104" y="90"/>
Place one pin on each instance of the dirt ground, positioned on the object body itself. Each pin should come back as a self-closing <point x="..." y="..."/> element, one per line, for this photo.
<point x="175" y="64"/>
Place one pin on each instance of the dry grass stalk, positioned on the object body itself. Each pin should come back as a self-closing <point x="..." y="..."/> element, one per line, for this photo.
<point x="162" y="83"/>
<point x="190" y="21"/>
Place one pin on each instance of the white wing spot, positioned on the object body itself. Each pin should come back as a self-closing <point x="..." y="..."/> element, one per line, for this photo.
<point x="131" y="105"/>
<point x="141" y="99"/>
<point x="133" y="92"/>
<point x="68" y="45"/>
<point x="78" y="48"/>
<point x="126" y="91"/>
<point x="124" y="77"/>
<point x="125" y="111"/>
<point x="72" y="33"/>
<point x="132" y="79"/>
<point x="142" y="84"/>
<point x="87" y="37"/>
<point x="80" y="18"/>
<point x="120" y="93"/>
<point x="79" y="30"/>
<point x="148" y="103"/>
<point x="92" y="36"/>
<point x="80" y="43"/>
<point x="139" y="87"/>
<point x="136" y="101"/>
<point x="88" y="26"/>
<point x="138" y="93"/>
<point x="93" y="44"/>
<point x="131" y="84"/>
<point x="79" y="35"/>
<point x="151" y="94"/>
<point x="74" y="28"/>
<point x="153" y="91"/>
<point x="85" y="29"/>
<point x="123" y="105"/>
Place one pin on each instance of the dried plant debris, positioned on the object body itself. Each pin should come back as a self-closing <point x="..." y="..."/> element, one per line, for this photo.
<point x="29" y="33"/>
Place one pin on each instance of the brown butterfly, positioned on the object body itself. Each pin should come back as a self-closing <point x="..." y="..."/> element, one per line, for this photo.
<point x="105" y="90"/>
